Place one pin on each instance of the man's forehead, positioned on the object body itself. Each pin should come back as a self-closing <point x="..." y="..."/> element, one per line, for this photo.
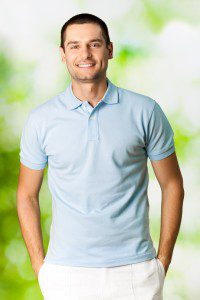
<point x="83" y="33"/>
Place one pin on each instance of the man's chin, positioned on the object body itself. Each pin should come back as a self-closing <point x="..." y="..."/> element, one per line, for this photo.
<point x="87" y="78"/>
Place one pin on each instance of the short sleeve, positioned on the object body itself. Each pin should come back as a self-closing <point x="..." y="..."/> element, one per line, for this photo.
<point x="160" y="136"/>
<point x="31" y="153"/>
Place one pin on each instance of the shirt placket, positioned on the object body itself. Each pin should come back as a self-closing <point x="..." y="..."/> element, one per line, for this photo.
<point x="92" y="117"/>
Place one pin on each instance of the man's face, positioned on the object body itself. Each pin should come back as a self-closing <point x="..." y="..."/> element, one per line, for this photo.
<point x="84" y="44"/>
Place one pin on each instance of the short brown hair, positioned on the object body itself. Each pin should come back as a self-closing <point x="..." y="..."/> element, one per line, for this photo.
<point x="85" y="18"/>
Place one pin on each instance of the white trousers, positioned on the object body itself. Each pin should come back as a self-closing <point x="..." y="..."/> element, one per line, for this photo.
<point x="140" y="281"/>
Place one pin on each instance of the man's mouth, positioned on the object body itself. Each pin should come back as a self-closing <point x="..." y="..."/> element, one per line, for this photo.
<point x="86" y="66"/>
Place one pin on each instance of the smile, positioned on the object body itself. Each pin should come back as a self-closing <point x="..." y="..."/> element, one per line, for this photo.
<point x="85" y="65"/>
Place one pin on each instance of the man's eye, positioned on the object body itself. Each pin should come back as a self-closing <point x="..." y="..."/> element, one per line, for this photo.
<point x="74" y="47"/>
<point x="95" y="44"/>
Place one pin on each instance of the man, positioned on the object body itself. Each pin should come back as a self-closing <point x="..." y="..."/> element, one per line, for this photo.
<point x="96" y="138"/>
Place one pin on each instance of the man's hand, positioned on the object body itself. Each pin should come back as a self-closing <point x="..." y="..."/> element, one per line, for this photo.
<point x="36" y="268"/>
<point x="165" y="262"/>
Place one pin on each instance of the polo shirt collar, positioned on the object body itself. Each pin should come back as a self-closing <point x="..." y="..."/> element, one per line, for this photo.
<point x="110" y="97"/>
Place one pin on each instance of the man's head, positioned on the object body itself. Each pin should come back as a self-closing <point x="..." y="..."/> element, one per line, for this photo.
<point x="85" y="40"/>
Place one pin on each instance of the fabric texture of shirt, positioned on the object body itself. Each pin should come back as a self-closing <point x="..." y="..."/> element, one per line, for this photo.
<point x="97" y="173"/>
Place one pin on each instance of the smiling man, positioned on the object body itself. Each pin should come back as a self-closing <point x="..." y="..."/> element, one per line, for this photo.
<point x="96" y="138"/>
<point x="86" y="51"/>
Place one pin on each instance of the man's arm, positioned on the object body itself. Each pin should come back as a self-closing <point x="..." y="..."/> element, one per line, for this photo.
<point x="28" y="209"/>
<point x="170" y="180"/>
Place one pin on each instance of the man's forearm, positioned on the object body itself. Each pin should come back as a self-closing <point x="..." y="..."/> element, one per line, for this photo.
<point x="171" y="215"/>
<point x="29" y="217"/>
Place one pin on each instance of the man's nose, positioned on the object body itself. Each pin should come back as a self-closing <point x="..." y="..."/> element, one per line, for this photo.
<point x="85" y="52"/>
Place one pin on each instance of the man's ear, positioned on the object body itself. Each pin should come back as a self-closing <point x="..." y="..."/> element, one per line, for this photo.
<point x="62" y="54"/>
<point x="110" y="49"/>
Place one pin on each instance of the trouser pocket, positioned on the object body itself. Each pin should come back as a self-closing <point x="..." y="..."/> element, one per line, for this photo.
<point x="147" y="283"/>
<point x="161" y="267"/>
<point x="53" y="280"/>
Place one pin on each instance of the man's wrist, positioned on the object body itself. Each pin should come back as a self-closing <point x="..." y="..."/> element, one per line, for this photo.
<point x="165" y="259"/>
<point x="36" y="265"/>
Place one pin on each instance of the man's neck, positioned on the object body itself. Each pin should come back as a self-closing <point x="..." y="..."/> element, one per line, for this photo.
<point x="92" y="92"/>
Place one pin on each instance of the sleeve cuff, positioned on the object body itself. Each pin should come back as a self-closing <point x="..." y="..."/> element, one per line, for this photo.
<point x="33" y="165"/>
<point x="162" y="155"/>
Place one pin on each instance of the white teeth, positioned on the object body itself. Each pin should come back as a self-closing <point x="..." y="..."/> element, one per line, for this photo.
<point x="86" y="65"/>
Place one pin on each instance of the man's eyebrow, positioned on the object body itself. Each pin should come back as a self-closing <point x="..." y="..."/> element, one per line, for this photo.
<point x="93" y="40"/>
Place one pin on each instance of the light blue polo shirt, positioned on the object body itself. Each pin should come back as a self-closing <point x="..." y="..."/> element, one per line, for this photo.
<point x="97" y="173"/>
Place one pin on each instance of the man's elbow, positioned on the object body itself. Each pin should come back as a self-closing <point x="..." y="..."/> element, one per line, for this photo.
<point x="176" y="186"/>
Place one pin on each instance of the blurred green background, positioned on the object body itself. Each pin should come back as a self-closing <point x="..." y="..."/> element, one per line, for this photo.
<point x="156" y="53"/>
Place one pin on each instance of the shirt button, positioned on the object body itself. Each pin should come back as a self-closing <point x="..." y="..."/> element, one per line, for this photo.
<point x="92" y="118"/>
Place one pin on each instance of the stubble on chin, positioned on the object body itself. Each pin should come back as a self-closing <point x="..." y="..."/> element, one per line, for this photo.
<point x="86" y="78"/>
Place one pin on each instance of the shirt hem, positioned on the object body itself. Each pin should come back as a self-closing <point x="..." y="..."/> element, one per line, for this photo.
<point x="108" y="263"/>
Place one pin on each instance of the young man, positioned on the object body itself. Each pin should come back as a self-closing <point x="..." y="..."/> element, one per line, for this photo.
<point x="96" y="138"/>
